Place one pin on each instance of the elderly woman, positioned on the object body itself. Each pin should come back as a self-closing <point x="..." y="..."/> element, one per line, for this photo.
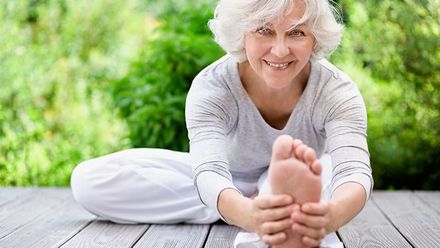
<point x="258" y="119"/>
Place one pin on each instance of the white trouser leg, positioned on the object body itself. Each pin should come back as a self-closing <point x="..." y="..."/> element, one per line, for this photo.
<point x="140" y="186"/>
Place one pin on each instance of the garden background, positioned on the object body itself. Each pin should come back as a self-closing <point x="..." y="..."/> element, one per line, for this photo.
<point x="80" y="79"/>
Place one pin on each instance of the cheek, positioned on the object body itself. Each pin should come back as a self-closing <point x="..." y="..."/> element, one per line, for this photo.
<point x="254" y="51"/>
<point x="304" y="49"/>
<point x="255" y="48"/>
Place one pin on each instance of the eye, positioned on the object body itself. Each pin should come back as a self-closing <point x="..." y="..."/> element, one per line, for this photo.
<point x="296" y="33"/>
<point x="264" y="31"/>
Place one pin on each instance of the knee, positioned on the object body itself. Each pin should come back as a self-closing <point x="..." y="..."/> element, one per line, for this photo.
<point x="83" y="186"/>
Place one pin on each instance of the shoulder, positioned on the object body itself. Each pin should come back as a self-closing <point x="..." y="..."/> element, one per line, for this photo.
<point x="330" y="73"/>
<point x="333" y="83"/>
<point x="337" y="96"/>
<point x="211" y="94"/>
<point x="214" y="79"/>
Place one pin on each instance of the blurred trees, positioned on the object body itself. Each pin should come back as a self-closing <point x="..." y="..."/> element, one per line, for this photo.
<point x="151" y="96"/>
<point x="55" y="110"/>
<point x="397" y="44"/>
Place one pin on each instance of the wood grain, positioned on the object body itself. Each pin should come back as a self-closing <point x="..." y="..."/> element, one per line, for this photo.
<point x="50" y="217"/>
<point x="432" y="198"/>
<point x="222" y="236"/>
<point x="107" y="234"/>
<point x="52" y="228"/>
<point x="370" y="228"/>
<point x="418" y="222"/>
<point x="22" y="210"/>
<point x="174" y="236"/>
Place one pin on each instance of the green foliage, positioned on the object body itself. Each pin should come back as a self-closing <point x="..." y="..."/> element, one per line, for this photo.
<point x="55" y="109"/>
<point x="160" y="8"/>
<point x="396" y="43"/>
<point x="151" y="96"/>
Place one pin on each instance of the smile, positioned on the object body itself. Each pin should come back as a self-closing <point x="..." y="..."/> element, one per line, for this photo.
<point x="277" y="65"/>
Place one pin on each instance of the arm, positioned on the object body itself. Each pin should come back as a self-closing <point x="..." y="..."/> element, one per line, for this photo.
<point x="235" y="208"/>
<point x="347" y="201"/>
<point x="340" y="115"/>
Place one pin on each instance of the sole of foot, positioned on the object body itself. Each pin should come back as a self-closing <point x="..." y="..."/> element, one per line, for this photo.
<point x="295" y="171"/>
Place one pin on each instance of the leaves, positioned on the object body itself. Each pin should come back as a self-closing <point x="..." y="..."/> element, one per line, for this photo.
<point x="151" y="96"/>
<point x="397" y="44"/>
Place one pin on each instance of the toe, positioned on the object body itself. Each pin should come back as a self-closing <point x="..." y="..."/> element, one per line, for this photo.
<point x="282" y="148"/>
<point x="309" y="156"/>
<point x="299" y="152"/>
<point x="317" y="167"/>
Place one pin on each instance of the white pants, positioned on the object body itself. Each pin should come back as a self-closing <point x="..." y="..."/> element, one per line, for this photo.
<point x="152" y="186"/>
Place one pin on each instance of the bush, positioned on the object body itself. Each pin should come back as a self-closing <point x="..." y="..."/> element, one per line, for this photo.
<point x="151" y="96"/>
<point x="55" y="59"/>
<point x="396" y="44"/>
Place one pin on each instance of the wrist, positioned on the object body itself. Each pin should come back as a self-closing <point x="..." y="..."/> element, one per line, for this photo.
<point x="333" y="223"/>
<point x="346" y="202"/>
<point x="235" y="208"/>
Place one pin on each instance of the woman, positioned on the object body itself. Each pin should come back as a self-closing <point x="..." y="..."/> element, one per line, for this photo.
<point x="272" y="85"/>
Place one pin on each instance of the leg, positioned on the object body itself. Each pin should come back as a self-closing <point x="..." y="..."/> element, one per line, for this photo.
<point x="295" y="172"/>
<point x="140" y="186"/>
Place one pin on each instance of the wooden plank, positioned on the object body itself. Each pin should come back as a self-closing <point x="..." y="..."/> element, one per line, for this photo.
<point x="432" y="198"/>
<point x="222" y="236"/>
<point x="370" y="228"/>
<point x="51" y="229"/>
<point x="419" y="223"/>
<point x="174" y="236"/>
<point x="107" y="234"/>
<point x="24" y="209"/>
<point x="9" y="194"/>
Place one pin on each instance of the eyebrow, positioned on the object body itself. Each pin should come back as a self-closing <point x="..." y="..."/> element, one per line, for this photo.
<point x="294" y="25"/>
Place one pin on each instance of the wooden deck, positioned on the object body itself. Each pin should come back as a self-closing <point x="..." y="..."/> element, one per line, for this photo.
<point x="49" y="217"/>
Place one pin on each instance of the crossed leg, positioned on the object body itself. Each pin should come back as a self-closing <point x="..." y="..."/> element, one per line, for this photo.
<point x="294" y="170"/>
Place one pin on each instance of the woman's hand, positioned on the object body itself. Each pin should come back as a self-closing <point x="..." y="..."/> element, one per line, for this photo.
<point x="271" y="217"/>
<point x="311" y="221"/>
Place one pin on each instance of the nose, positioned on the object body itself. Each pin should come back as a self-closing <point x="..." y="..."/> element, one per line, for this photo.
<point x="280" y="48"/>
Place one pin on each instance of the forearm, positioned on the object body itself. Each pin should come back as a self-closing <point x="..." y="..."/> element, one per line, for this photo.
<point x="346" y="202"/>
<point x="235" y="208"/>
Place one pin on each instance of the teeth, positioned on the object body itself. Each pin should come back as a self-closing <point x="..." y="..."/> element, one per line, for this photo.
<point x="277" y="65"/>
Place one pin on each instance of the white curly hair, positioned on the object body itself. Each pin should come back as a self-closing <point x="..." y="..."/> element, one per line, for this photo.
<point x="234" y="18"/>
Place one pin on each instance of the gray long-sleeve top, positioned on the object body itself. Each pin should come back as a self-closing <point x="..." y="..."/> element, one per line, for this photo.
<point x="229" y="139"/>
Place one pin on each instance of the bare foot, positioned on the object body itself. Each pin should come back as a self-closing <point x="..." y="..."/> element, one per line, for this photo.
<point x="294" y="170"/>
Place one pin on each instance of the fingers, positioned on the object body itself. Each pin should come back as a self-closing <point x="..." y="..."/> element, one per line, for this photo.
<point x="273" y="217"/>
<point x="276" y="226"/>
<point x="274" y="239"/>
<point x="316" y="208"/>
<point x="311" y="242"/>
<point x="313" y="233"/>
<point x="310" y="221"/>
<point x="277" y="213"/>
<point x="273" y="201"/>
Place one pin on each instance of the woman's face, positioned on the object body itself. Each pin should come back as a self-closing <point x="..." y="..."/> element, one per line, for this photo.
<point x="279" y="52"/>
